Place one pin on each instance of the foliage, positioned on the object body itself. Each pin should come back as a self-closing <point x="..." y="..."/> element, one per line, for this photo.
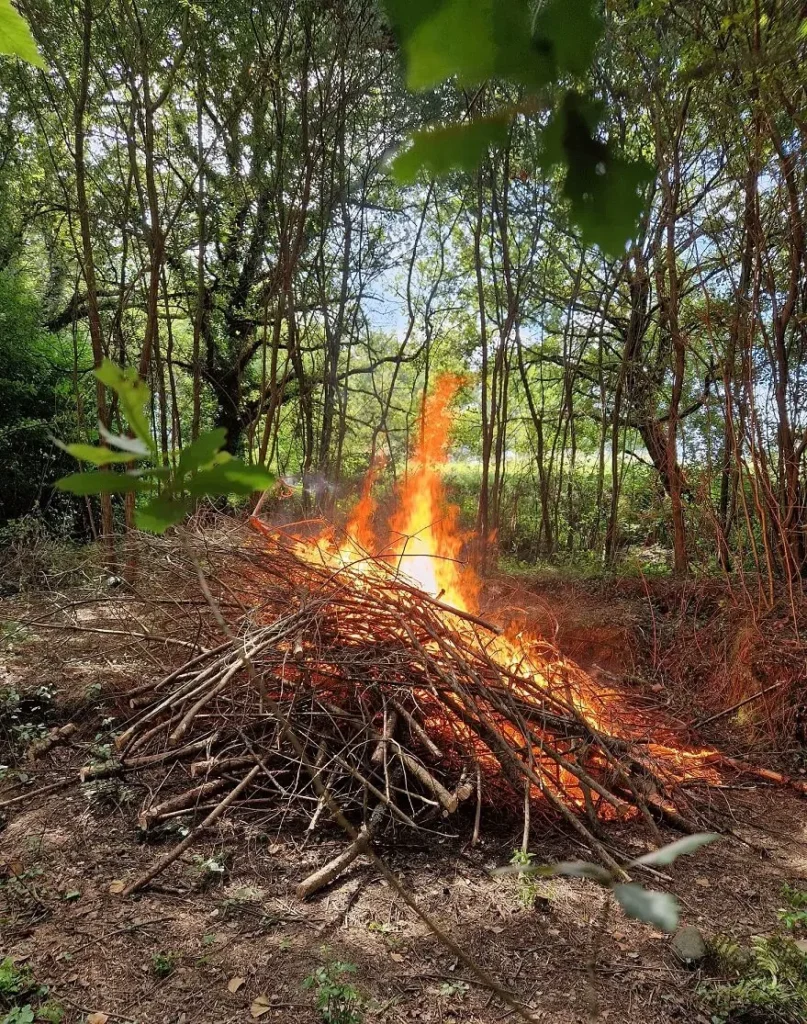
<point x="794" y="914"/>
<point x="15" y="36"/>
<point x="656" y="908"/>
<point x="769" y="983"/>
<point x="203" y="468"/>
<point x="35" y="397"/>
<point x="470" y="41"/>
<point x="528" y="887"/>
<point x="22" y="998"/>
<point x="163" y="965"/>
<point x="338" y="1001"/>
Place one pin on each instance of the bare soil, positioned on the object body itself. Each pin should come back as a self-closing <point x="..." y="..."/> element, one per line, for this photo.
<point x="227" y="910"/>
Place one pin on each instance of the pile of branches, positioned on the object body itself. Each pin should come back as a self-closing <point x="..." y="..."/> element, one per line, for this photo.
<point x="348" y="693"/>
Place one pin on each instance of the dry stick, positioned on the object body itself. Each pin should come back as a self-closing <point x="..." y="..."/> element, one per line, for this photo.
<point x="381" y="866"/>
<point x="181" y="802"/>
<point x="118" y="632"/>
<point x="738" y="705"/>
<point x="168" y="858"/>
<point x="333" y="869"/>
<point x="150" y="686"/>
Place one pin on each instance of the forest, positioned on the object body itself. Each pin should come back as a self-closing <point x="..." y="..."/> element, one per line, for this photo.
<point x="403" y="511"/>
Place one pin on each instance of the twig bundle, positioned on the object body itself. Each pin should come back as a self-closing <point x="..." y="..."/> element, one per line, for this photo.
<point x="406" y="710"/>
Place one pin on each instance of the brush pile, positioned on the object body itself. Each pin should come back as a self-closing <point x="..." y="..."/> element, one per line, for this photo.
<point x="351" y="690"/>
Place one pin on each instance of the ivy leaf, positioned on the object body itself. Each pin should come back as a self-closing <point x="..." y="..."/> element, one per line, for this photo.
<point x="231" y="477"/>
<point x="442" y="148"/>
<point x="667" y="854"/>
<point x="103" y="482"/>
<point x="15" y="36"/>
<point x="134" y="397"/>
<point x="201" y="451"/>
<point x="658" y="908"/>
<point x="603" y="189"/>
<point x="97" y="455"/>
<point x="160" y="513"/>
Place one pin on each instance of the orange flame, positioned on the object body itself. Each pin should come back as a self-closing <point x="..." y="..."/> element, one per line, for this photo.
<point x="428" y="542"/>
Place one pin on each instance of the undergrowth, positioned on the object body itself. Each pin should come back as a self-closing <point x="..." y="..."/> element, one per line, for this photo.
<point x="767" y="979"/>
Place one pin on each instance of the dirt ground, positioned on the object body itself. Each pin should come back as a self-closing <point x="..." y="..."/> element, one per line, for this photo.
<point x="221" y="936"/>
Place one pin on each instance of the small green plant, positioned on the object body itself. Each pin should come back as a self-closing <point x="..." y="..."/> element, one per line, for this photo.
<point x="208" y="870"/>
<point x="768" y="982"/>
<point x="204" y="468"/>
<point x="794" y="914"/>
<point x="528" y="888"/>
<point x="20" y="994"/>
<point x="163" y="965"/>
<point x="338" y="1001"/>
<point x="454" y="989"/>
<point x="52" y="1012"/>
<point x="657" y="908"/>
<point x="93" y="691"/>
<point x="20" y="1015"/>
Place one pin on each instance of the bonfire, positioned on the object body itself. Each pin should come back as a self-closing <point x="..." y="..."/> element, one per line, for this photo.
<point x="360" y="681"/>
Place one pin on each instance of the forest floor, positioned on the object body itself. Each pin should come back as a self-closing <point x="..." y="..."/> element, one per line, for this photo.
<point x="221" y="937"/>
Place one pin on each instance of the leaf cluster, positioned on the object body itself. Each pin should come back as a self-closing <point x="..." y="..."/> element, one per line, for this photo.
<point x="472" y="41"/>
<point x="204" y="468"/>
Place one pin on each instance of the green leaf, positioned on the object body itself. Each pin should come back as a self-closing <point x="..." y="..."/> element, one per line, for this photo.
<point x="658" y="908"/>
<point x="16" y="38"/>
<point x="469" y="40"/>
<point x="443" y="147"/>
<point x="160" y="513"/>
<point x="667" y="854"/>
<point x="103" y="482"/>
<point x="605" y="191"/>
<point x="570" y="29"/>
<point x="201" y="451"/>
<point x="473" y="40"/>
<point x="134" y="397"/>
<point x="231" y="477"/>
<point x="97" y="455"/>
<point x="582" y="869"/>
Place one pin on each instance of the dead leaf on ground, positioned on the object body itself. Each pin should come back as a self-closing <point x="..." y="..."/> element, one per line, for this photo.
<point x="260" y="1006"/>
<point x="97" y="1018"/>
<point x="117" y="886"/>
<point x="234" y="984"/>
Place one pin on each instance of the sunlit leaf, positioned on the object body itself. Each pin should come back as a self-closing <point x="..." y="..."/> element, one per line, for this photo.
<point x="445" y="147"/>
<point x="201" y="451"/>
<point x="231" y="477"/>
<point x="658" y="908"/>
<point x="97" y="455"/>
<point x="160" y="513"/>
<point x="126" y="444"/>
<point x="667" y="854"/>
<point x="472" y="41"/>
<point x="103" y="482"/>
<point x="134" y="397"/>
<point x="15" y="36"/>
